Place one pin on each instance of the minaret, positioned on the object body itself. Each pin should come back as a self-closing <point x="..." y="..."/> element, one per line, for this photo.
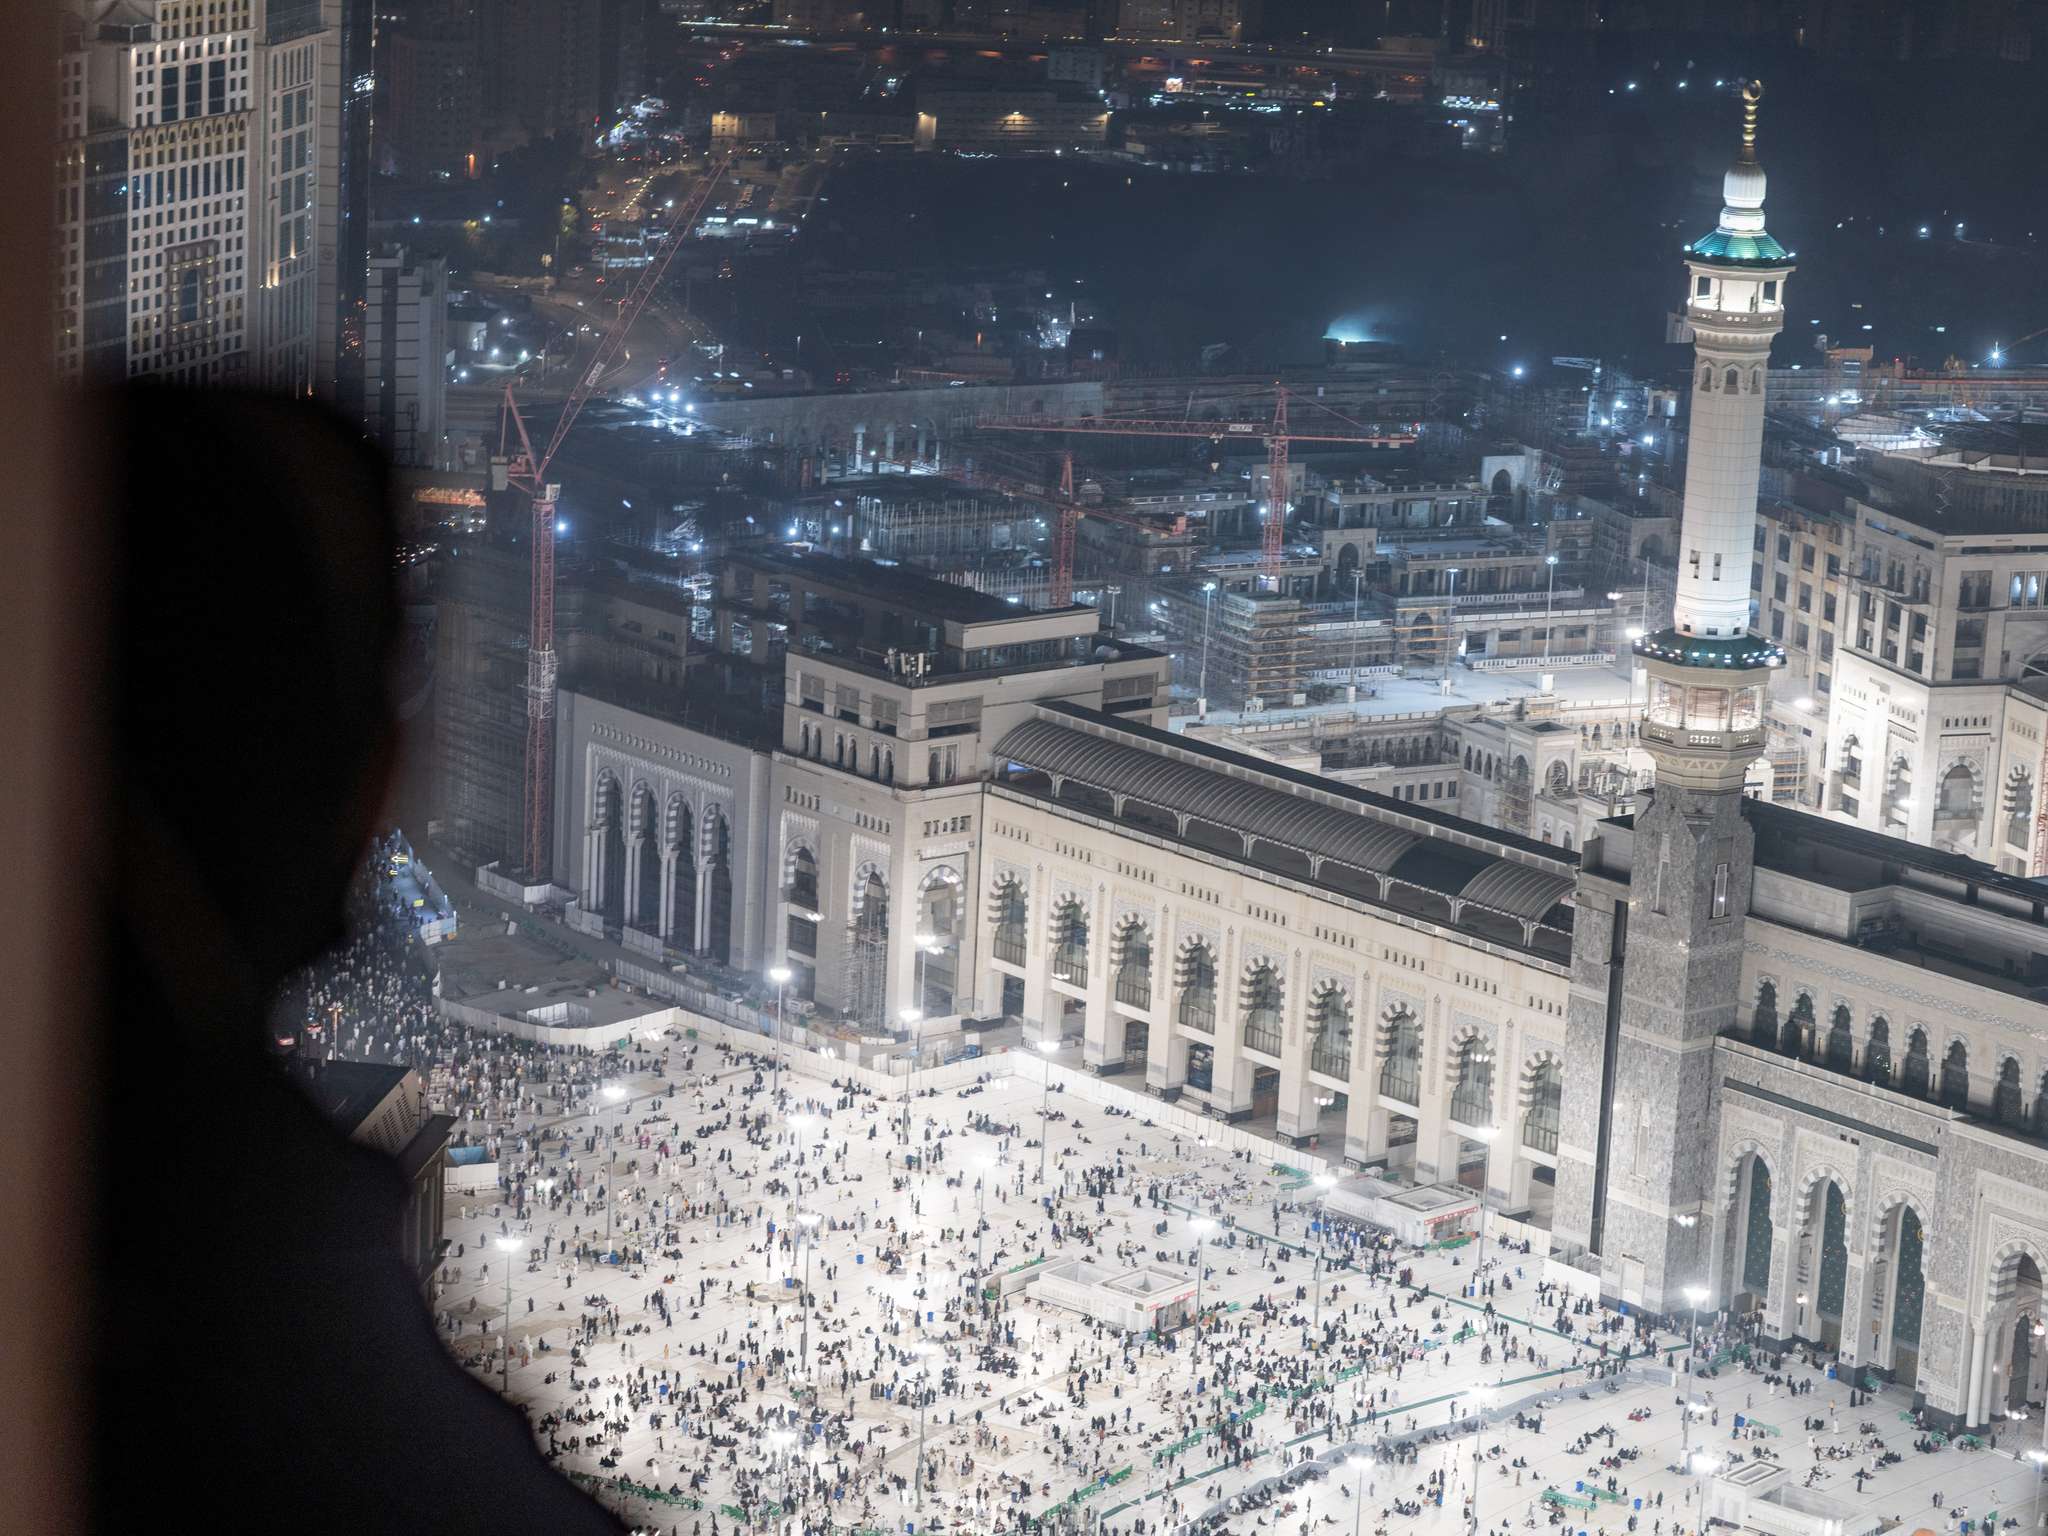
<point x="1657" y="938"/>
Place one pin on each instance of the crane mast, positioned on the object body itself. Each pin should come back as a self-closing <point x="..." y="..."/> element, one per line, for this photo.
<point x="528" y="471"/>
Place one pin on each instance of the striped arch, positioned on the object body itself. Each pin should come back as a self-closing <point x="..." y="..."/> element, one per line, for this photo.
<point x="1532" y="1068"/>
<point x="2001" y="1277"/>
<point x="1821" y="1173"/>
<point x="1882" y="1208"/>
<point x="1463" y="1035"/>
<point x="1731" y="1177"/>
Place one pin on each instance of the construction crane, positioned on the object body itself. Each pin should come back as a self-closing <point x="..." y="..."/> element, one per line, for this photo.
<point x="528" y="470"/>
<point x="1277" y="432"/>
<point x="1068" y="511"/>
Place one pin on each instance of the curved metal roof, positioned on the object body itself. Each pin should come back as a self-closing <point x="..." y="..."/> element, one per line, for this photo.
<point x="1519" y="890"/>
<point x="1311" y="826"/>
<point x="1223" y="799"/>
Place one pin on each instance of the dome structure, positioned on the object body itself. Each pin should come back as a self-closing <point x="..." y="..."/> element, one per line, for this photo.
<point x="1740" y="238"/>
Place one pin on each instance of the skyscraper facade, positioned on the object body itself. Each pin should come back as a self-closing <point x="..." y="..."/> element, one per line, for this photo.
<point x="198" y="192"/>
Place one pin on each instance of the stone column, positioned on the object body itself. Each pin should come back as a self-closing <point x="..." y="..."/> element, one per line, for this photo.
<point x="889" y="443"/>
<point x="593" y="867"/>
<point x="668" y="893"/>
<point x="859" y="447"/>
<point x="920" y="445"/>
<point x="631" y="906"/>
<point x="700" y="939"/>
<point x="1980" y="1340"/>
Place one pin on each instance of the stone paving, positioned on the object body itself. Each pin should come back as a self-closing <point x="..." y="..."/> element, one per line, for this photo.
<point x="817" y="1406"/>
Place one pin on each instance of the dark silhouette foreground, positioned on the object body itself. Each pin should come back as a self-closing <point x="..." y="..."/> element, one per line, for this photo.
<point x="262" y="1360"/>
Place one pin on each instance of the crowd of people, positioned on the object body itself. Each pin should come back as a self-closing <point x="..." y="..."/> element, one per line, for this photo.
<point x="742" y="1298"/>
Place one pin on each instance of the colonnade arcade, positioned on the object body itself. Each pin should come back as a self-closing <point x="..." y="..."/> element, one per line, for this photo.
<point x="659" y="862"/>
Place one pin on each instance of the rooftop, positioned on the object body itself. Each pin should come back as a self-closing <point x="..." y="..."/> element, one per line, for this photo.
<point x="872" y="580"/>
<point x="1440" y="868"/>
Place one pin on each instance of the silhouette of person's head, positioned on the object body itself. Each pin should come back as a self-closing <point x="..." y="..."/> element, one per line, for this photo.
<point x="256" y="615"/>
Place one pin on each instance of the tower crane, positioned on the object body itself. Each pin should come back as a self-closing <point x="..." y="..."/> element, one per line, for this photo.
<point x="1276" y="432"/>
<point x="527" y="470"/>
<point x="1068" y="511"/>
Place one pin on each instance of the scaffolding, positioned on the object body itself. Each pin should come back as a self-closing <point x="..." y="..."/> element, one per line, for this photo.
<point x="940" y="530"/>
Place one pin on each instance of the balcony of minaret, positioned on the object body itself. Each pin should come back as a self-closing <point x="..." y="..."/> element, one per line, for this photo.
<point x="1737" y="299"/>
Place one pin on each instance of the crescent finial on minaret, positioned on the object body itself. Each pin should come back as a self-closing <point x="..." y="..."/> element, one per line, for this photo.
<point x="1752" y="93"/>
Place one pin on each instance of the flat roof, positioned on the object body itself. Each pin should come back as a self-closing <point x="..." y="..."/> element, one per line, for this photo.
<point x="928" y="596"/>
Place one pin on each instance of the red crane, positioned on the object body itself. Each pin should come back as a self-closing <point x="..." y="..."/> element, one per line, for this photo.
<point x="528" y="471"/>
<point x="1068" y="513"/>
<point x="1277" y="433"/>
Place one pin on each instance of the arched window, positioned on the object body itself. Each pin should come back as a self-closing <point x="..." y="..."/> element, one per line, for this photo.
<point x="2006" y="1104"/>
<point x="1877" y="1053"/>
<point x="1401" y="1065"/>
<point x="1008" y="910"/>
<point x="1841" y="1047"/>
<point x="1852" y="765"/>
<point x="1262" y="998"/>
<point x="1731" y="382"/>
<point x="1545" y="1111"/>
<point x="1798" y="1027"/>
<point x="1955" y="1076"/>
<point x="1915" y="1070"/>
<point x="1472" y="1096"/>
<point x="1330" y="1019"/>
<point x="1958" y="793"/>
<point x="2040" y="1118"/>
<point x="1763" y="1022"/>
<point x="1134" y="964"/>
<point x="1070" y="943"/>
<point x="2019" y="806"/>
<point x="1707" y="378"/>
<point x="803" y="878"/>
<point x="1197" y="985"/>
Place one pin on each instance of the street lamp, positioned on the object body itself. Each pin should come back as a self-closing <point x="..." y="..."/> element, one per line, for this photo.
<point x="1703" y="1467"/>
<point x="911" y="1018"/>
<point x="1359" y="1465"/>
<point x="615" y="1093"/>
<point x="1486" y="1136"/>
<point x="1202" y="681"/>
<point x="507" y="1246"/>
<point x="1483" y="1396"/>
<point x="984" y="1167"/>
<point x="1325" y="1182"/>
<point x="1046" y="1048"/>
<point x="807" y="1221"/>
<point x="1450" y="618"/>
<point x="1549" y="598"/>
<point x="780" y="976"/>
<point x="1201" y="1226"/>
<point x="1357" y="597"/>
<point x="924" y="1353"/>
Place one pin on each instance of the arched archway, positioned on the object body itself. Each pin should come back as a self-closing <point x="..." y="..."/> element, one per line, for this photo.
<point x="1195" y="981"/>
<point x="938" y="940"/>
<point x="1877" y="1053"/>
<point x="1543" y="1108"/>
<point x="1823" y="1258"/>
<point x="1898" y="795"/>
<point x="1132" y="943"/>
<point x="1070" y="942"/>
<point x="2007" y="1099"/>
<point x="1329" y="1016"/>
<point x="1752" y="1236"/>
<point x="1898" y="1292"/>
<point x="1472" y="1083"/>
<point x="1262" y="1001"/>
<point x="682" y="875"/>
<point x="1955" y="1076"/>
<point x="717" y="854"/>
<point x="1010" y="913"/>
<point x="801" y="886"/>
<point x="1763" y="1019"/>
<point x="1401" y="1056"/>
<point x="2018" y="1317"/>
<point x="646" y="860"/>
<point x="1797" y="1028"/>
<point x="1839" y="1055"/>
<point x="1915" y="1071"/>
<point x="608" y="815"/>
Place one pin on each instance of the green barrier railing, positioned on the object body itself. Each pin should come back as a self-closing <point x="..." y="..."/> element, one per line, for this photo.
<point x="1566" y="1501"/>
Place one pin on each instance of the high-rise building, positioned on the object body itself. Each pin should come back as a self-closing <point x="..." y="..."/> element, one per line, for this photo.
<point x="405" y="355"/>
<point x="198" y="192"/>
<point x="435" y="122"/>
<point x="1183" y="20"/>
<point x="559" y="66"/>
